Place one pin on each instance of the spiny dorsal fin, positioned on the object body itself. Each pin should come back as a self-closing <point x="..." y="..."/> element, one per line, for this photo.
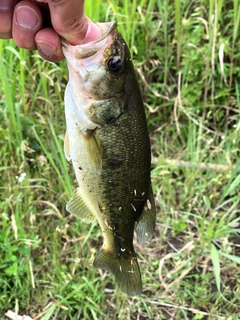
<point x="94" y="150"/>
<point x="79" y="208"/>
<point x="126" y="271"/>
<point x="146" y="223"/>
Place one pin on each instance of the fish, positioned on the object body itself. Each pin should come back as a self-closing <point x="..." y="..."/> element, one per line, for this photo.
<point x="108" y="143"/>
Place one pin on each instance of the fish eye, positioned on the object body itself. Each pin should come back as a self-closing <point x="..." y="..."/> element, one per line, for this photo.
<point x="115" y="64"/>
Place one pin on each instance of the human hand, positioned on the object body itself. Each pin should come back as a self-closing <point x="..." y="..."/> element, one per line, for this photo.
<point x="37" y="24"/>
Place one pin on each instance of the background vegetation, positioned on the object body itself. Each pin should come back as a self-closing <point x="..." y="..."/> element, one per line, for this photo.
<point x="187" y="57"/>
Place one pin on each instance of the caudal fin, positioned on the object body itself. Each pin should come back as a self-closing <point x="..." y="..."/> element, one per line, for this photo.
<point x="126" y="271"/>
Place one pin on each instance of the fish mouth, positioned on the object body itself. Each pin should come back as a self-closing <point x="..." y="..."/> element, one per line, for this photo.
<point x="86" y="50"/>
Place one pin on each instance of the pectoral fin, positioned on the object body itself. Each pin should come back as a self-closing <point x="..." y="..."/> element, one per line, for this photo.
<point x="79" y="208"/>
<point x="146" y="223"/>
<point x="94" y="150"/>
<point x="67" y="147"/>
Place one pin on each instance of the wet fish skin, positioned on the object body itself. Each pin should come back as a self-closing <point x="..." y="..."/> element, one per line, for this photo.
<point x="108" y="143"/>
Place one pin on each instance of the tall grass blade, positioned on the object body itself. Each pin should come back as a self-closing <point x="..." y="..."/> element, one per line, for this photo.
<point x="216" y="265"/>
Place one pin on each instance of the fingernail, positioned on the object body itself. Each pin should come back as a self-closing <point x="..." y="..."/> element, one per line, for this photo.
<point x="26" y="17"/>
<point x="46" y="48"/>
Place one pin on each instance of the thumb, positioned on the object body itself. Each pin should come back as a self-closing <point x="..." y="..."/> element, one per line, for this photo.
<point x="69" y="21"/>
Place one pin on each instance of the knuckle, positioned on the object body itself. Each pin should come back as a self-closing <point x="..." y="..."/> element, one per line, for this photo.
<point x="74" y="23"/>
<point x="71" y="25"/>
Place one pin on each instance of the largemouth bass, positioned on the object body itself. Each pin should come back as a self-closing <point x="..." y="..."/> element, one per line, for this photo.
<point x="107" y="141"/>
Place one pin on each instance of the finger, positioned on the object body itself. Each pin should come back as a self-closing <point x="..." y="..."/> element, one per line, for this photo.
<point x="49" y="45"/>
<point x="6" y="14"/>
<point x="69" y="21"/>
<point x="27" y="21"/>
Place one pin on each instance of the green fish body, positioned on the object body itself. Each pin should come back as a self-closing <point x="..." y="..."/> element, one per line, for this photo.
<point x="107" y="141"/>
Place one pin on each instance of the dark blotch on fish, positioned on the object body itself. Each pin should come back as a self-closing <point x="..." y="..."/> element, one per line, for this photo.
<point x="109" y="119"/>
<point x="115" y="162"/>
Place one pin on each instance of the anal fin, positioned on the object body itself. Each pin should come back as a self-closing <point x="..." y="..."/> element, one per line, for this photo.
<point x="126" y="271"/>
<point x="79" y="208"/>
<point x="146" y="222"/>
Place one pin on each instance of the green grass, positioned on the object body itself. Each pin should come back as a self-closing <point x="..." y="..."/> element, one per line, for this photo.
<point x="187" y="58"/>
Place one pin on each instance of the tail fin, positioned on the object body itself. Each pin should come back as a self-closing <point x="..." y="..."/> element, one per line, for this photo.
<point x="126" y="271"/>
